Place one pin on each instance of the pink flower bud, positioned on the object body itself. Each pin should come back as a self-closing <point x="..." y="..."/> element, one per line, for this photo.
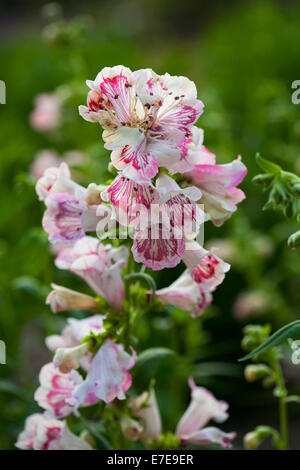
<point x="61" y="298"/>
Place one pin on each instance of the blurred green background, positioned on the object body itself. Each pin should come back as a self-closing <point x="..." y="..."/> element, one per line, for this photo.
<point x="243" y="57"/>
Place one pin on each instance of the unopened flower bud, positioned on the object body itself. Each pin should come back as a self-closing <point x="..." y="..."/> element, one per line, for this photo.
<point x="86" y="436"/>
<point x="254" y="438"/>
<point x="251" y="441"/>
<point x="61" y="298"/>
<point x="255" y="372"/>
<point x="67" y="359"/>
<point x="93" y="194"/>
<point x="294" y="240"/>
<point x="131" y="428"/>
<point x="252" y="330"/>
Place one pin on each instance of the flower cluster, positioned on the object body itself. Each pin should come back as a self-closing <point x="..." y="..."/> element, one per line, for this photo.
<point x="166" y="185"/>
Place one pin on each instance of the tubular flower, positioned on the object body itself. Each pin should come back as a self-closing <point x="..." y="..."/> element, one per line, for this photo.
<point x="99" y="266"/>
<point x="108" y="377"/>
<point x="61" y="298"/>
<point x="203" y="408"/>
<point x="193" y="151"/>
<point x="55" y="391"/>
<point x="54" y="179"/>
<point x="218" y="184"/>
<point x="157" y="248"/>
<point x="44" y="433"/>
<point x="207" y="269"/>
<point x="68" y="218"/>
<point x="67" y="359"/>
<point x="145" y="117"/>
<point x="160" y="241"/>
<point x="186" y="294"/>
<point x="146" y="409"/>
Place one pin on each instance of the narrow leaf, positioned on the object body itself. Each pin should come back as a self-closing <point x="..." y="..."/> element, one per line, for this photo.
<point x="292" y="330"/>
<point x="267" y="166"/>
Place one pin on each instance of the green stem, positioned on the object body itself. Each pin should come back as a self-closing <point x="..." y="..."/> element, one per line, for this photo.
<point x="282" y="393"/>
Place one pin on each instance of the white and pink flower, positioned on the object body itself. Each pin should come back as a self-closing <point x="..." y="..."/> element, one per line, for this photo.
<point x="145" y="408"/>
<point x="55" y="391"/>
<point x="44" y="433"/>
<point x="51" y="178"/>
<point x="160" y="241"/>
<point x="186" y="294"/>
<point x="207" y="269"/>
<point x="76" y="331"/>
<point x="67" y="217"/>
<point x="218" y="184"/>
<point x="157" y="248"/>
<point x="108" y="377"/>
<point x="61" y="298"/>
<point x="128" y="197"/>
<point x="100" y="266"/>
<point x="203" y="408"/>
<point x="145" y="117"/>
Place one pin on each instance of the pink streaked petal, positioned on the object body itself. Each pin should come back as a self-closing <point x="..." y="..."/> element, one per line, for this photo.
<point x="128" y="197"/>
<point x="162" y="252"/>
<point x="55" y="390"/>
<point x="116" y="83"/>
<point x="178" y="117"/>
<point x="63" y="219"/>
<point x="135" y="163"/>
<point x="90" y="115"/>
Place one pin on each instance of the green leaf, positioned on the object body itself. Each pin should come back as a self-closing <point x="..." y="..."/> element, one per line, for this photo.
<point x="9" y="387"/>
<point x="267" y="166"/>
<point x="147" y="364"/>
<point x="292" y="330"/>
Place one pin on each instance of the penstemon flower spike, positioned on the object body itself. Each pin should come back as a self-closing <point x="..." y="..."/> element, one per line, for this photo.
<point x="166" y="185"/>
